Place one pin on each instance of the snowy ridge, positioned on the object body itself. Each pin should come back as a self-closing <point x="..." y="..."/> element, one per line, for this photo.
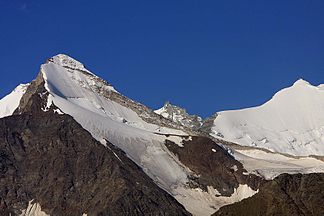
<point x="291" y="122"/>
<point x="9" y="103"/>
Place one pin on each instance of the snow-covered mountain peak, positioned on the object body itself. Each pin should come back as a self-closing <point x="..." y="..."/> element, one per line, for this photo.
<point x="179" y="115"/>
<point x="62" y="65"/>
<point x="167" y="105"/>
<point x="305" y="84"/>
<point x="168" y="110"/>
<point x="68" y="63"/>
<point x="301" y="82"/>
<point x="66" y="77"/>
<point x="300" y="92"/>
<point x="291" y="122"/>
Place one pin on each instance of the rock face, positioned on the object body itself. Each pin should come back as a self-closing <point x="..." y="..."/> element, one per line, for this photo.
<point x="213" y="166"/>
<point x="285" y="195"/>
<point x="49" y="158"/>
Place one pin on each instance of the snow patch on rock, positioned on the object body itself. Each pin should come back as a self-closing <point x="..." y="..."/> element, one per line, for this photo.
<point x="33" y="209"/>
<point x="201" y="203"/>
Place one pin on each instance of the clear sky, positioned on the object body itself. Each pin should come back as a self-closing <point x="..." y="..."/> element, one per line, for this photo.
<point x="205" y="56"/>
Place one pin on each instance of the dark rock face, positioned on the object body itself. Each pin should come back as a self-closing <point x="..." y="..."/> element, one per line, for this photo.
<point x="213" y="165"/>
<point x="50" y="158"/>
<point x="285" y="195"/>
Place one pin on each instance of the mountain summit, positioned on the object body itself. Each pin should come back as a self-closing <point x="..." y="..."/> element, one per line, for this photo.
<point x="180" y="116"/>
<point x="301" y="82"/>
<point x="68" y="63"/>
<point x="291" y="122"/>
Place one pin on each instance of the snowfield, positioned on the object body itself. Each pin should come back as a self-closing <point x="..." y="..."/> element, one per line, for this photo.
<point x="291" y="122"/>
<point x="270" y="165"/>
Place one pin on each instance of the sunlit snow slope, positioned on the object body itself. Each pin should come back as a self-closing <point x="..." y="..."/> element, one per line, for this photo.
<point x="9" y="103"/>
<point x="291" y="122"/>
<point x="73" y="91"/>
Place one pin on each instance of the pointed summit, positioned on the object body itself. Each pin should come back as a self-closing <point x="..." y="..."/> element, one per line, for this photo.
<point x="68" y="63"/>
<point x="179" y="115"/>
<point x="301" y="82"/>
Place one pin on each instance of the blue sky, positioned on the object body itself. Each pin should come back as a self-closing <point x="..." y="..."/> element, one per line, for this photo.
<point x="205" y="56"/>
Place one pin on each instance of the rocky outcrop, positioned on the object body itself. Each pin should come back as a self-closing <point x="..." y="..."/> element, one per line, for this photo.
<point x="208" y="124"/>
<point x="180" y="116"/>
<point x="50" y="159"/>
<point x="298" y="195"/>
<point x="212" y="166"/>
